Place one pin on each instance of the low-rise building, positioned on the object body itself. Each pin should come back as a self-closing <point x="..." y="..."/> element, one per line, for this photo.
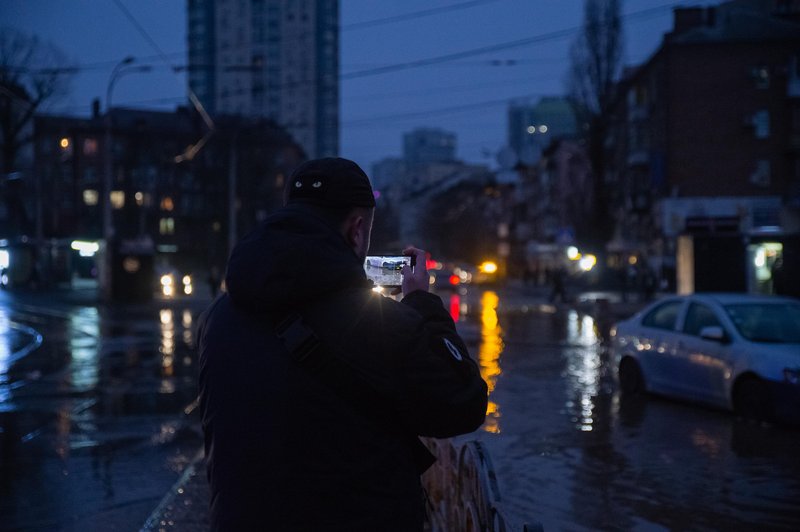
<point x="707" y="135"/>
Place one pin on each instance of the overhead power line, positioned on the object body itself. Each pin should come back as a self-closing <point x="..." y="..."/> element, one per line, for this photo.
<point x="536" y="39"/>
<point x="413" y="15"/>
<point x="555" y="35"/>
<point x="192" y="150"/>
<point x="439" y="111"/>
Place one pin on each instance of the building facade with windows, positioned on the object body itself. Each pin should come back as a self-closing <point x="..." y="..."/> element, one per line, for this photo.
<point x="189" y="208"/>
<point x="707" y="134"/>
<point x="276" y="59"/>
<point x="427" y="145"/>
<point x="532" y="127"/>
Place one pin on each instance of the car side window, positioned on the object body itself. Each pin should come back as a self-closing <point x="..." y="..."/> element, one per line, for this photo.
<point x="699" y="316"/>
<point x="663" y="316"/>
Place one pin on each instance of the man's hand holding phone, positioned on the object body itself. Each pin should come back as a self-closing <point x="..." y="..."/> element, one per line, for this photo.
<point x="415" y="276"/>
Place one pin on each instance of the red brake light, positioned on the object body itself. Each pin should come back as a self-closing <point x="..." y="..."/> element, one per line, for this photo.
<point x="454" y="279"/>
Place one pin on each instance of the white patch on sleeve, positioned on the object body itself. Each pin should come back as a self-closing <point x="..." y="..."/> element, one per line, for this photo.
<point x="453" y="350"/>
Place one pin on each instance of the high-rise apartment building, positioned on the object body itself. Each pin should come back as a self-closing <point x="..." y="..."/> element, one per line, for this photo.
<point x="277" y="59"/>
<point x="429" y="145"/>
<point x="531" y="128"/>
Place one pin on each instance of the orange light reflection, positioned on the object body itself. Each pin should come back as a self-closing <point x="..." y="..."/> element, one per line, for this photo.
<point x="489" y="356"/>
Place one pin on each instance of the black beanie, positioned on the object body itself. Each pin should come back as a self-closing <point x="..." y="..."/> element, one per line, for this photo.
<point x="330" y="182"/>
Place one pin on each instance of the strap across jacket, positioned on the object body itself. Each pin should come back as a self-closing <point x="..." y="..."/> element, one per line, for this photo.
<point x="303" y="346"/>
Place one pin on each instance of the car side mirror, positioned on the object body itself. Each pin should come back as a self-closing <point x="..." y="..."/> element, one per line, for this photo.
<point x="714" y="333"/>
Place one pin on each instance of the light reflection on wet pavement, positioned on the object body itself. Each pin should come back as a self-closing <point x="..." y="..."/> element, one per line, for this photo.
<point x="572" y="454"/>
<point x="94" y="434"/>
<point x="93" y="425"/>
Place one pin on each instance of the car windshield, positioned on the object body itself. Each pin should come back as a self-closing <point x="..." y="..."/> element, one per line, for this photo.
<point x="767" y="322"/>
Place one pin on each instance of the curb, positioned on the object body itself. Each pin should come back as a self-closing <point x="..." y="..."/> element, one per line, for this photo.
<point x="177" y="509"/>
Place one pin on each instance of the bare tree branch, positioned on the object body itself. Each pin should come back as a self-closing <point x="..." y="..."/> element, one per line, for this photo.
<point x="596" y="63"/>
<point x="32" y="74"/>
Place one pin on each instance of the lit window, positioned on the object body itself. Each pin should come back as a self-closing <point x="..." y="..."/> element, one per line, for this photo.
<point x="761" y="124"/>
<point x="761" y="76"/>
<point x="139" y="198"/>
<point x="166" y="226"/>
<point x="90" y="196"/>
<point x="117" y="199"/>
<point x="166" y="204"/>
<point x="89" y="146"/>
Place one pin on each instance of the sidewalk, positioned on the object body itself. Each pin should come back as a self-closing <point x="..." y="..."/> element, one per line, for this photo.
<point x="185" y="506"/>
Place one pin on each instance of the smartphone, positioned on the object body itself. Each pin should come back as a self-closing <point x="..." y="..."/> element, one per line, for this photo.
<point x="385" y="270"/>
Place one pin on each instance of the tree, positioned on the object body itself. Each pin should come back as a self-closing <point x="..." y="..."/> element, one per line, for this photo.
<point x="461" y="222"/>
<point x="596" y="63"/>
<point x="32" y="73"/>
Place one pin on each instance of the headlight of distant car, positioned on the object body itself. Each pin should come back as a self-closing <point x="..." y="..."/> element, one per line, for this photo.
<point x="167" y="285"/>
<point x="187" y="284"/>
<point x="791" y="375"/>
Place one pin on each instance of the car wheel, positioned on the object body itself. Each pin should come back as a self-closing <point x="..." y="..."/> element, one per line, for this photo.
<point x="751" y="399"/>
<point x="631" y="380"/>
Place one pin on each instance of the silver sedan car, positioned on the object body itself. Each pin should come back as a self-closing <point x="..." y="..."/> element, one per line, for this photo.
<point x="734" y="351"/>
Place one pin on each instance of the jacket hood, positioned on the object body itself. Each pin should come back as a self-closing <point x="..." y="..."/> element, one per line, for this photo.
<point x="292" y="258"/>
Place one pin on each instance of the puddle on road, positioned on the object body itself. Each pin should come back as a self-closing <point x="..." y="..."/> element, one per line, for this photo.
<point x="93" y="422"/>
<point x="572" y="454"/>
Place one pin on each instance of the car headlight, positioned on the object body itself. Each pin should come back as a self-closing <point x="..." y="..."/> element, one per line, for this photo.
<point x="791" y="375"/>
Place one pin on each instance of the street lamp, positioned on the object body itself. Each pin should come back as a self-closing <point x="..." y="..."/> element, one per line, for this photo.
<point x="122" y="68"/>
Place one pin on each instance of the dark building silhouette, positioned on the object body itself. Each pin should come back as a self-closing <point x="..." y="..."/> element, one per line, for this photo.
<point x="269" y="58"/>
<point x="707" y="134"/>
<point x="158" y="192"/>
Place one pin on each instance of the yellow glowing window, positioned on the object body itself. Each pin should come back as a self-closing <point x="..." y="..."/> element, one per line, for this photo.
<point x="166" y="204"/>
<point x="117" y="199"/>
<point x="90" y="197"/>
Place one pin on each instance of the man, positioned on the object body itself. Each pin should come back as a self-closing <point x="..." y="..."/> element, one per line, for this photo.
<point x="313" y="387"/>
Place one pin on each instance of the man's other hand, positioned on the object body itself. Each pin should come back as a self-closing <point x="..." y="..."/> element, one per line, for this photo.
<point x="416" y="279"/>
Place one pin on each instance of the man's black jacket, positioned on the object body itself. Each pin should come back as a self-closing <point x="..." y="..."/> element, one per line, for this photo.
<point x="284" y="450"/>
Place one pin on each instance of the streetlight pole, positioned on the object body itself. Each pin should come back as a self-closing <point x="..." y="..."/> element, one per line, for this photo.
<point x="108" y="180"/>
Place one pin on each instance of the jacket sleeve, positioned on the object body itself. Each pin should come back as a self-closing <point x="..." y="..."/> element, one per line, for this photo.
<point x="446" y="393"/>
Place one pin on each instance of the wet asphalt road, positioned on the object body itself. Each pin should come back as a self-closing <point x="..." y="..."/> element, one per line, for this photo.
<point x="572" y="454"/>
<point x="94" y="429"/>
<point x="93" y="424"/>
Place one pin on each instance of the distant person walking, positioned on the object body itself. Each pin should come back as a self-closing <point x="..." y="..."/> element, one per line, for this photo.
<point x="213" y="281"/>
<point x="558" y="291"/>
<point x="313" y="387"/>
<point x="780" y="279"/>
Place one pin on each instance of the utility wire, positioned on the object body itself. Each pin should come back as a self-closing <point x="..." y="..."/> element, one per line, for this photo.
<point x="536" y="39"/>
<point x="435" y="60"/>
<point x="104" y="65"/>
<point x="413" y="15"/>
<point x="192" y="150"/>
<point x="440" y="111"/>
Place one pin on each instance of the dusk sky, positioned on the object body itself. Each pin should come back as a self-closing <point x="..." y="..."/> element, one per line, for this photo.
<point x="468" y="95"/>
